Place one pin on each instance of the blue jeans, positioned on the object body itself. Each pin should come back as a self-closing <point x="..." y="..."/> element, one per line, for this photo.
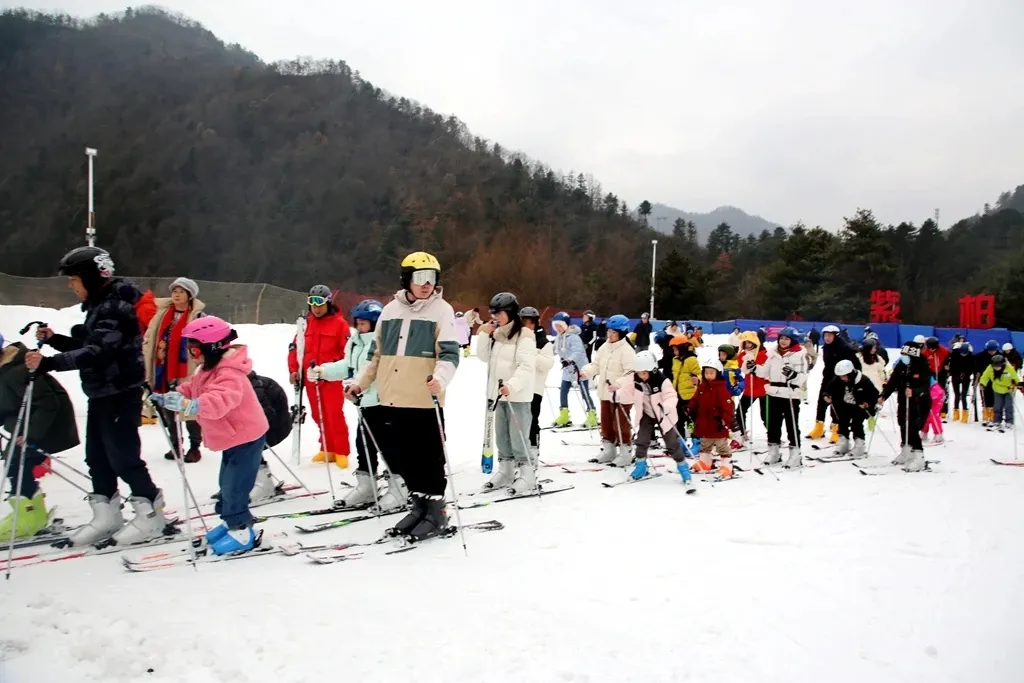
<point x="238" y="468"/>
<point x="1003" y="406"/>
<point x="563" y="396"/>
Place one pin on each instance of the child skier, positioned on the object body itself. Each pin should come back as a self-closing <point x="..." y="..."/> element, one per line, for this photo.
<point x="961" y="370"/>
<point x="462" y="333"/>
<point x="934" y="421"/>
<point x="51" y="430"/>
<point x="654" y="408"/>
<point x="545" y="360"/>
<point x="569" y="348"/>
<point x="912" y="379"/>
<point x="1003" y="379"/>
<point x="853" y="397"/>
<point x="685" y="376"/>
<point x="613" y="362"/>
<point x="750" y="357"/>
<point x="220" y="396"/>
<point x="712" y="411"/>
<point x="358" y="353"/>
<point x="786" y="371"/>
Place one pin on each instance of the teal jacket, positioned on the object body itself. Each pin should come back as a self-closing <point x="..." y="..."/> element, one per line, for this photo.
<point x="358" y="353"/>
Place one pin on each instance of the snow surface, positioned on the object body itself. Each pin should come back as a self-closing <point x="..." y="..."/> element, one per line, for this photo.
<point x="823" y="575"/>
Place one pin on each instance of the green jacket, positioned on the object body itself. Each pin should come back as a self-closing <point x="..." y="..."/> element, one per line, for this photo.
<point x="1003" y="383"/>
<point x="52" y="426"/>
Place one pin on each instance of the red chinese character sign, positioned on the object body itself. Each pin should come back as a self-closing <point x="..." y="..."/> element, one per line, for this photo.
<point x="978" y="312"/>
<point x="885" y="306"/>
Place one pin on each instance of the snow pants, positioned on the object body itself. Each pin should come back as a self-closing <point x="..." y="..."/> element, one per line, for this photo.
<point x="615" y="421"/>
<point x="112" y="445"/>
<point x="538" y="401"/>
<point x="850" y="418"/>
<point x="410" y="440"/>
<point x="745" y="402"/>
<point x="919" y="407"/>
<point x="783" y="411"/>
<point x="1003" y="405"/>
<point x="333" y="428"/>
<point x="961" y="390"/>
<point x="238" y="468"/>
<point x="822" y="406"/>
<point x="645" y="434"/>
<point x="511" y="425"/>
<point x="368" y="428"/>
<point x="563" y="394"/>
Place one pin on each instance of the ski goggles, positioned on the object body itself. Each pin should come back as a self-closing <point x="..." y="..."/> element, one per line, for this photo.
<point x="317" y="300"/>
<point x="423" y="277"/>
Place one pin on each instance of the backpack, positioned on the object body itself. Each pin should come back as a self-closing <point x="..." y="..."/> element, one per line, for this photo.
<point x="274" y="402"/>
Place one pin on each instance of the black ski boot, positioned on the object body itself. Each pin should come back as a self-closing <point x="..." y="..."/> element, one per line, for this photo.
<point x="434" y="521"/>
<point x="417" y="510"/>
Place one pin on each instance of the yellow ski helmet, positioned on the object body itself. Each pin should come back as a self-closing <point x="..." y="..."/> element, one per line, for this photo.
<point x="419" y="260"/>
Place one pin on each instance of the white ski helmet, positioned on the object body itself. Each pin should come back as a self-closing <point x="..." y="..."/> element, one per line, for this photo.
<point x="645" y="361"/>
<point x="920" y="339"/>
<point x="831" y="328"/>
<point x="844" y="367"/>
<point x="1007" y="346"/>
<point x="712" y="363"/>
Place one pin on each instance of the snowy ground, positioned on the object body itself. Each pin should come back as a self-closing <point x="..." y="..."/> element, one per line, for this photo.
<point x="823" y="575"/>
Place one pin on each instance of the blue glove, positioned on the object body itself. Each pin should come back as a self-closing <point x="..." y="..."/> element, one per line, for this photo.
<point x="639" y="469"/>
<point x="684" y="471"/>
<point x="157" y="399"/>
<point x="173" y="401"/>
<point x="190" y="407"/>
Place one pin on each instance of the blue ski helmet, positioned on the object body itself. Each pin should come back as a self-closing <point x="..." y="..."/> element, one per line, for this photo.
<point x="561" y="317"/>
<point x="991" y="345"/>
<point x="618" y="322"/>
<point x="367" y="309"/>
<point x="791" y="334"/>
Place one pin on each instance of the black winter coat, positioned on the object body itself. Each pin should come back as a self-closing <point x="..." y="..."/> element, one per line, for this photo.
<point x="833" y="353"/>
<point x="643" y="334"/>
<point x="52" y="426"/>
<point x="961" y="364"/>
<point x="862" y="391"/>
<point x="274" y="402"/>
<point x="107" y="348"/>
<point x="916" y="376"/>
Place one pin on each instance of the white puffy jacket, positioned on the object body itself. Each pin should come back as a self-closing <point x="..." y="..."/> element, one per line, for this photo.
<point x="779" y="385"/>
<point x="545" y="359"/>
<point x="513" y="361"/>
<point x="613" y="362"/>
<point x="874" y="371"/>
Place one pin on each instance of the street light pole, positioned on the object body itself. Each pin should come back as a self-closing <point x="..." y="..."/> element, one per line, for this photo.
<point x="654" y="258"/>
<point x="90" y="228"/>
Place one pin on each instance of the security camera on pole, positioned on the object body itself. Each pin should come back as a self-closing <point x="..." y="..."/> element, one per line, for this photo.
<point x="90" y="228"/>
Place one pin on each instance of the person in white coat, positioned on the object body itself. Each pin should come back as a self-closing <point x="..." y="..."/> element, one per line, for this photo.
<point x="511" y="356"/>
<point x="545" y="360"/>
<point x="786" y="372"/>
<point x="613" y="362"/>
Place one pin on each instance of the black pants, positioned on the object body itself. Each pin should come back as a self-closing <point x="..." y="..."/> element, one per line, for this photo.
<point x="850" y="418"/>
<point x="988" y="398"/>
<point x="941" y="379"/>
<point x="112" y="446"/>
<point x="412" y="445"/>
<point x="961" y="391"/>
<point x="538" y="400"/>
<point x="370" y="427"/>
<point x="33" y="458"/>
<point x="195" y="432"/>
<point x="683" y="416"/>
<point x="783" y="411"/>
<point x="919" y="406"/>
<point x="822" y="407"/>
<point x="744" y="406"/>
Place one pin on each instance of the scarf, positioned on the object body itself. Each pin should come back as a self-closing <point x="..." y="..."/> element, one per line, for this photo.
<point x="174" y="363"/>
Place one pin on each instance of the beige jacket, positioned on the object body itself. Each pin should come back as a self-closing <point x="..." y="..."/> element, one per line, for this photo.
<point x="613" y="362"/>
<point x="413" y="341"/>
<point x="149" y="340"/>
<point x="514" y="362"/>
<point x="545" y="360"/>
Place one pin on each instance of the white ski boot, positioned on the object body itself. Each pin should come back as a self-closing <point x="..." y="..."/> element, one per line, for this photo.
<point x="843" y="446"/>
<point x="607" y="453"/>
<point x="903" y="457"/>
<point x="149" y="521"/>
<point x="625" y="458"/>
<point x="526" y="480"/>
<point x="503" y="478"/>
<point x="915" y="462"/>
<point x="106" y="519"/>
<point x="397" y="495"/>
<point x="794" y="460"/>
<point x="859" y="450"/>
<point x="362" y="493"/>
<point x="774" y="454"/>
<point x="265" y="487"/>
<point x="939" y="438"/>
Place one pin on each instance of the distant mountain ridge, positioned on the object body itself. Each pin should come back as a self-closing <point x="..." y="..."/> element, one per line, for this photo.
<point x="741" y="222"/>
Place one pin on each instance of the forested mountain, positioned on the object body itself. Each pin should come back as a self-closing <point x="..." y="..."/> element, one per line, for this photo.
<point x="663" y="217"/>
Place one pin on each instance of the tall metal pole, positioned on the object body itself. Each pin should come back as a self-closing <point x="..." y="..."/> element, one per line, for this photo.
<point x="654" y="259"/>
<point x="90" y="228"/>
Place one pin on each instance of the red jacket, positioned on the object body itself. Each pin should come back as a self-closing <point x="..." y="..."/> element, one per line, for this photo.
<point x="937" y="359"/>
<point x="325" y="341"/>
<point x="755" y="387"/>
<point x="145" y="309"/>
<point x="711" y="410"/>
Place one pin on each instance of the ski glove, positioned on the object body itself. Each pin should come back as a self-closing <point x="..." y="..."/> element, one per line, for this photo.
<point x="315" y="373"/>
<point x="750" y="365"/>
<point x="788" y="372"/>
<point x="177" y="403"/>
<point x="565" y="363"/>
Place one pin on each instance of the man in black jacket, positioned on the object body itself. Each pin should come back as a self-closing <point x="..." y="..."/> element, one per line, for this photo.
<point x="834" y="350"/>
<point x="911" y="381"/>
<point x="107" y="351"/>
<point x="643" y="331"/>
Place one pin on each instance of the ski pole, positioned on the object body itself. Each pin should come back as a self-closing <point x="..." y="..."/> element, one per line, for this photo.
<point x="323" y="439"/>
<point x="173" y="437"/>
<point x="289" y="469"/>
<point x="53" y="459"/>
<point x="448" y="467"/>
<point x="185" y="491"/>
<point x="21" y="472"/>
<point x="366" y="452"/>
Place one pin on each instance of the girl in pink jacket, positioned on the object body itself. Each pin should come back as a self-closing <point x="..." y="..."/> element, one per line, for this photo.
<point x="654" y="407"/>
<point x="934" y="419"/>
<point x="221" y="398"/>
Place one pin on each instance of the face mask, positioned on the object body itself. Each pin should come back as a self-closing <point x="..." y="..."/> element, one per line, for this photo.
<point x="905" y="360"/>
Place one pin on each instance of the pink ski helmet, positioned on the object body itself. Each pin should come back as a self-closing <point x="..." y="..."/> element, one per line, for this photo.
<point x="209" y="329"/>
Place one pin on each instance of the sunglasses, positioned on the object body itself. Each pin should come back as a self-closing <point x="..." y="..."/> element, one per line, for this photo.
<point x="317" y="300"/>
<point x="424" y="277"/>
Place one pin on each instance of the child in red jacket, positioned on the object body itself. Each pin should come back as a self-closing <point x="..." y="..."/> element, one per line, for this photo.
<point x="752" y="355"/>
<point x="712" y="411"/>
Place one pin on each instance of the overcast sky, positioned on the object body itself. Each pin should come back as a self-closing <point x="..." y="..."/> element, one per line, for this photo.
<point x="791" y="109"/>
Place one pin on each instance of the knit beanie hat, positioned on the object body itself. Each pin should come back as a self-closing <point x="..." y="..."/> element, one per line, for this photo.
<point x="189" y="286"/>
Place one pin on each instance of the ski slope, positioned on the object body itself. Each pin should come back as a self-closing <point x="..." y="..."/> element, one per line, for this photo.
<point x="823" y="575"/>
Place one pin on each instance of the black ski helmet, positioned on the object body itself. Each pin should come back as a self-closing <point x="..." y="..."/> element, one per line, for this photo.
<point x="92" y="264"/>
<point x="998" y="361"/>
<point x="320" y="290"/>
<point x="504" y="301"/>
<point x="932" y="342"/>
<point x="529" y="312"/>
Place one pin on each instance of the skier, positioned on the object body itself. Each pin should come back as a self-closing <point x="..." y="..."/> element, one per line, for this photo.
<point x="750" y="357"/>
<point x="220" y="396"/>
<point x="107" y="351"/>
<point x="462" y="332"/>
<point x="145" y="309"/>
<point x="613" y="363"/>
<point x="358" y="354"/>
<point x="685" y="376"/>
<point x="712" y="411"/>
<point x="415" y="340"/>
<point x="911" y="378"/>
<point x="643" y="331"/>
<point x="545" y="360"/>
<point x="834" y="350"/>
<point x="872" y="338"/>
<point x="654" y="407"/>
<point x="961" y="370"/>
<point x="588" y="333"/>
<point x="933" y="422"/>
<point x="815" y="338"/>
<point x="735" y="340"/>
<point x="937" y="356"/>
<point x="871" y="363"/>
<point x="327" y="333"/>
<point x="786" y="371"/>
<point x="474" y="321"/>
<point x="51" y="430"/>
<point x="1012" y="356"/>
<point x="166" y="352"/>
<point x="511" y="356"/>
<point x="981" y="363"/>
<point x="811" y="350"/>
<point x="853" y="396"/>
<point x="1003" y="380"/>
<point x="570" y="349"/>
